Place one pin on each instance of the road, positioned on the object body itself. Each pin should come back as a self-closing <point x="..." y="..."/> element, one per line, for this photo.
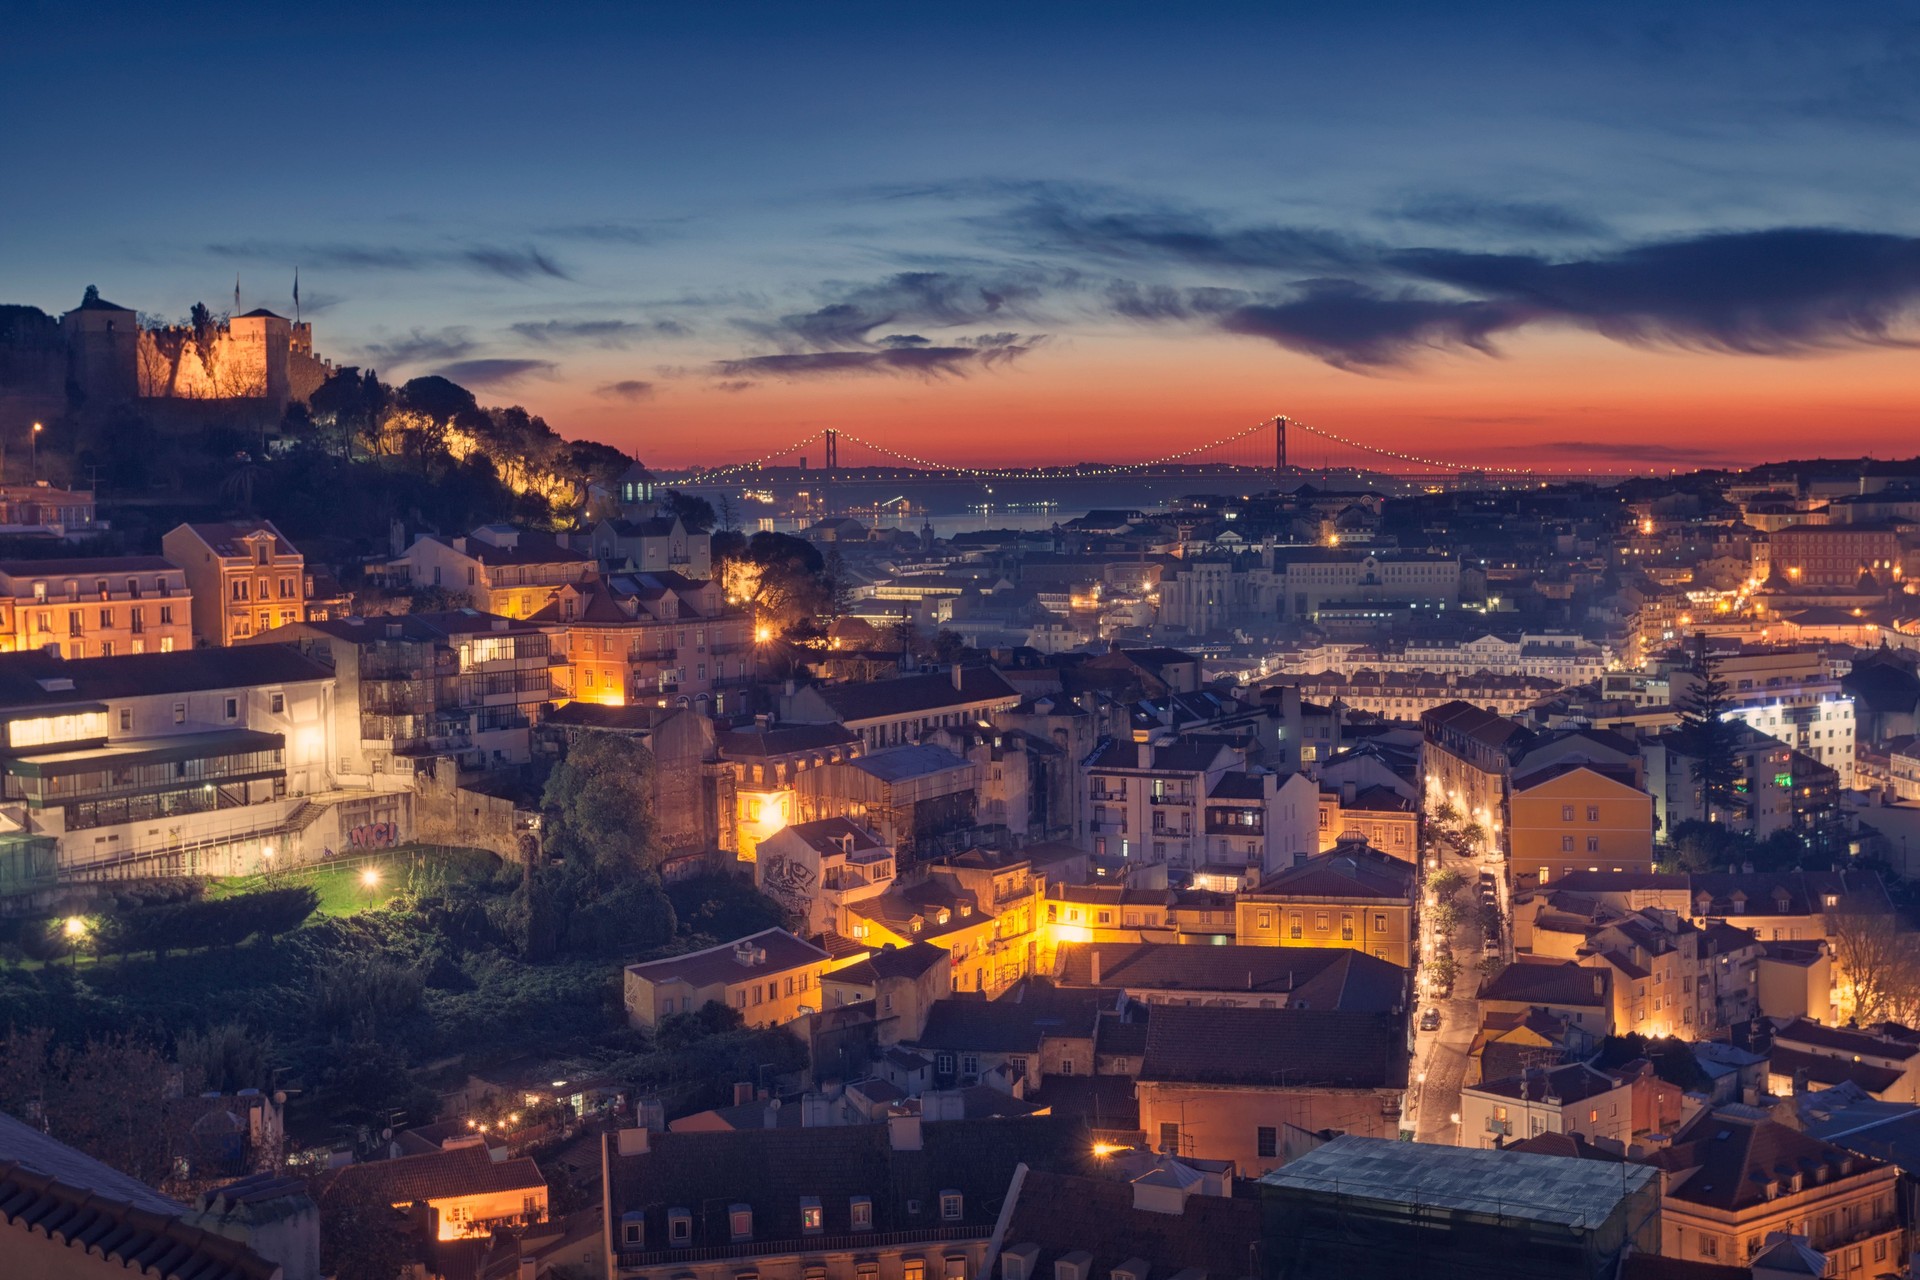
<point x="1440" y="1057"/>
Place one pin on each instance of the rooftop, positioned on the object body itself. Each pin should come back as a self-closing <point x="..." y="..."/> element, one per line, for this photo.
<point x="775" y="951"/>
<point x="1272" y="1048"/>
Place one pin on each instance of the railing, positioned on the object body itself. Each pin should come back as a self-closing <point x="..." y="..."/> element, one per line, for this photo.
<point x="860" y="1241"/>
<point x="1502" y="1127"/>
<point x="1170" y="798"/>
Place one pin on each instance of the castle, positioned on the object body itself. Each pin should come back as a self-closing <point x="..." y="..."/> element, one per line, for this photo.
<point x="110" y="358"/>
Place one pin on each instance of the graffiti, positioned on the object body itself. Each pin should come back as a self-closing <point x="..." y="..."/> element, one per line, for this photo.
<point x="788" y="882"/>
<point x="374" y="835"/>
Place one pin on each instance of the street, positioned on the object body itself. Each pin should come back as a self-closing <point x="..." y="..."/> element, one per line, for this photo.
<point x="1440" y="1057"/>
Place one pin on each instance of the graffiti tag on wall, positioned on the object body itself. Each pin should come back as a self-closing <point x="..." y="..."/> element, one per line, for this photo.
<point x="374" y="835"/>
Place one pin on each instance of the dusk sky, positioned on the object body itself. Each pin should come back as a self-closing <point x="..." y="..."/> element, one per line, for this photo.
<point x="1525" y="234"/>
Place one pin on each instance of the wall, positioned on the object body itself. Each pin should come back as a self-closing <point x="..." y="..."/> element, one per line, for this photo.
<point x="444" y="812"/>
<point x="1619" y="817"/>
<point x="1222" y="1122"/>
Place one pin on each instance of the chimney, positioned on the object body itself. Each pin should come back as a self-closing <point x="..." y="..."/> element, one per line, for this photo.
<point x="1143" y="753"/>
<point x="460" y="545"/>
<point x="1349" y="790"/>
<point x="763" y="721"/>
<point x="1093" y="955"/>
<point x="529" y="1268"/>
<point x="903" y="1133"/>
<point x="633" y="1142"/>
<point x="742" y="1092"/>
<point x="1599" y="983"/>
<point x="959" y="677"/>
<point x="771" y="1117"/>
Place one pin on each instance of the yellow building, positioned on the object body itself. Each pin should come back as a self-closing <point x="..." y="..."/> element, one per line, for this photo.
<point x="95" y="608"/>
<point x="1732" y="1180"/>
<point x="1572" y="816"/>
<point x="1382" y="817"/>
<point x="771" y="977"/>
<point x="1354" y="897"/>
<point x="471" y="1194"/>
<point x="244" y="577"/>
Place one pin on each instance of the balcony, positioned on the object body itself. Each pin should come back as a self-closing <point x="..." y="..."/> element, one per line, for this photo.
<point x="1111" y="827"/>
<point x="1171" y="797"/>
<point x="1503" y="1128"/>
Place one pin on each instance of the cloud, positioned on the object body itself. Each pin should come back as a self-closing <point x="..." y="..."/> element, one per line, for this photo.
<point x="607" y="334"/>
<point x="1511" y="217"/>
<point x="985" y="351"/>
<point x="496" y="372"/>
<point x="934" y="299"/>
<point x="605" y="232"/>
<point x="735" y="385"/>
<point x="1353" y="327"/>
<point x="1786" y="291"/>
<point x="1622" y="450"/>
<point x="511" y="263"/>
<point x="421" y="346"/>
<point x="629" y="389"/>
<point x="1176" y="236"/>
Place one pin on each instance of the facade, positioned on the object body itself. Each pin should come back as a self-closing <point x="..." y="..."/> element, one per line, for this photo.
<point x="758" y="766"/>
<point x="648" y="637"/>
<point x="463" y="685"/>
<point x="1354" y="897"/>
<point x="95" y="608"/>
<point x="1837" y="557"/>
<point x="1255" y="824"/>
<point x="1579" y="817"/>
<point x="890" y="713"/>
<point x="469" y="1193"/>
<point x="498" y="568"/>
<point x="771" y="977"/>
<point x="1314" y="580"/>
<point x="1230" y="975"/>
<point x="1387" y="820"/>
<point x="1574" y="1099"/>
<point x="39" y="509"/>
<point x="1147" y="801"/>
<point x="244" y="577"/>
<point x="816" y="870"/>
<point x="1466" y="757"/>
<point x="185" y="763"/>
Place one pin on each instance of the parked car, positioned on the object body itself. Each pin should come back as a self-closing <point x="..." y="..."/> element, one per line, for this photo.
<point x="1430" y="1020"/>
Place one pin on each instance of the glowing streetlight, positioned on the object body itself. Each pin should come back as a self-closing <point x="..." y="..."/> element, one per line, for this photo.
<point x="762" y="634"/>
<point x="33" y="448"/>
<point x="370" y="880"/>
<point x="74" y="930"/>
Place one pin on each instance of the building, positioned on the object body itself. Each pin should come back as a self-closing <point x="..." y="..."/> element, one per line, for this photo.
<point x="1227" y="1083"/>
<point x="497" y="568"/>
<point x="1573" y="816"/>
<point x="1354" y="896"/>
<point x="816" y="870"/>
<point x="244" y="578"/>
<point x="1884" y="1059"/>
<point x="1837" y="557"/>
<point x="184" y="763"/>
<point x="1172" y="1218"/>
<point x="643" y="538"/>
<point x="40" y="510"/>
<point x="1382" y="816"/>
<point x="1733" y="1179"/>
<point x="1231" y="976"/>
<point x="758" y="766"/>
<point x="656" y="637"/>
<point x="1580" y="996"/>
<point x="771" y="977"/>
<point x="904" y="1199"/>
<point x="1314" y="579"/>
<point x="1254" y="824"/>
<point x="921" y="799"/>
<point x="1368" y="1207"/>
<point x="890" y="713"/>
<point x="1145" y="800"/>
<point x="1571" y="1099"/>
<point x="462" y="685"/>
<point x="95" y="608"/>
<point x="1466" y="757"/>
<point x="469" y="1193"/>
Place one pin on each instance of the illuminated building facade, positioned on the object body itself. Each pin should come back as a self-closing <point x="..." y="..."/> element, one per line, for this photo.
<point x="244" y="577"/>
<point x="95" y="608"/>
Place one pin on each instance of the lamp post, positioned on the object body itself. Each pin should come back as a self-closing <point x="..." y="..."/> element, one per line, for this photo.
<point x="73" y="929"/>
<point x="33" y="450"/>
<point x="370" y="880"/>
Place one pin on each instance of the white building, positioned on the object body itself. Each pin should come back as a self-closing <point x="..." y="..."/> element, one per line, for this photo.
<point x="1820" y="728"/>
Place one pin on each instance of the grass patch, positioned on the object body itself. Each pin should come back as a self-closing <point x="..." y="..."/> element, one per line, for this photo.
<point x="341" y="882"/>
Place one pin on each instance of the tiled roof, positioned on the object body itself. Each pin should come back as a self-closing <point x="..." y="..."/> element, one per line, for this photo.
<point x="1735" y="1158"/>
<point x="771" y="1169"/>
<point x="80" y="568"/>
<point x="138" y="1240"/>
<point x="1621" y="774"/>
<point x="1309" y="977"/>
<point x="1239" y="786"/>
<point x="224" y="537"/>
<point x="1572" y="1083"/>
<point x="1015" y="1023"/>
<point x="134" y="674"/>
<point x="915" y="695"/>
<point x="443" y="1175"/>
<point x="1351" y="870"/>
<point x="1824" y="1069"/>
<point x="1272" y="1047"/>
<point x="421" y="628"/>
<point x="720" y="964"/>
<point x="1166" y="757"/>
<point x="782" y="739"/>
<point x="919" y="760"/>
<point x="1571" y="1146"/>
<point x="830" y="836"/>
<point x="1060" y="1213"/>
<point x="1887" y="1040"/>
<point x="1548" y="984"/>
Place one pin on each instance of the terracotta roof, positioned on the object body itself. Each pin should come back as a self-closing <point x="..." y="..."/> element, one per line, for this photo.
<point x="1061" y="1213"/>
<point x="1823" y="1069"/>
<point x="1735" y="1158"/>
<point x="782" y="739"/>
<point x="1015" y="1023"/>
<point x="443" y="1175"/>
<point x="80" y="568"/>
<point x="1272" y="1047"/>
<point x="1572" y="1146"/>
<point x="1572" y="1083"/>
<point x="130" y="675"/>
<point x="1548" y="984"/>
<point x="224" y="537"/>
<point x="1309" y="977"/>
<point x="1351" y="870"/>
<point x="914" y="695"/>
<point x="1883" y="1040"/>
<point x="138" y="1240"/>
<point x="720" y="964"/>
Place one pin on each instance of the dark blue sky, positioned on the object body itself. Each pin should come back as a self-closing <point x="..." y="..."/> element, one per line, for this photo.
<point x="653" y="221"/>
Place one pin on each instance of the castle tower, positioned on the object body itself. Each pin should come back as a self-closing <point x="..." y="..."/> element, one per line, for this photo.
<point x="103" y="349"/>
<point x="262" y="341"/>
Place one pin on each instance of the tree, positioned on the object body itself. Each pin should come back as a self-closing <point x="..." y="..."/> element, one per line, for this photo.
<point x="694" y="511"/>
<point x="1705" y="733"/>
<point x="1879" y="965"/>
<point x="599" y="802"/>
<point x="361" y="1235"/>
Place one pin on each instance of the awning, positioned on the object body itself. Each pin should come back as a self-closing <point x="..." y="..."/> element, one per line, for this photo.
<point x="185" y="746"/>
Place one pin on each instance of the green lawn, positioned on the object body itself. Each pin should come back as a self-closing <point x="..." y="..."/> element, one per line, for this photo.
<point x="342" y="884"/>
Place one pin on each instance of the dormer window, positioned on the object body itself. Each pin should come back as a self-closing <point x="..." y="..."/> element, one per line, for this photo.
<point x="952" y="1206"/>
<point x="679" y="1227"/>
<point x="942" y="916"/>
<point x="633" y="1229"/>
<point x="812" y="1218"/>
<point x="860" y="1213"/>
<point x="739" y="1222"/>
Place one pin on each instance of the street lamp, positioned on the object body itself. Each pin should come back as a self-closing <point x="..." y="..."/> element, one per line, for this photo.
<point x="370" y="880"/>
<point x="74" y="929"/>
<point x="33" y="449"/>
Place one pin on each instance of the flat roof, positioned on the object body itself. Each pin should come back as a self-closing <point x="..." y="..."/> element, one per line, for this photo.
<point x="135" y="751"/>
<point x="1574" y="1193"/>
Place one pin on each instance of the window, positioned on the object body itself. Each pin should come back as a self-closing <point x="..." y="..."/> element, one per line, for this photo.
<point x="969" y="1064"/>
<point x="1593" y="813"/>
<point x="277" y="703"/>
<point x="679" y="1227"/>
<point x="860" y="1213"/>
<point x="1346" y="926"/>
<point x="1593" y="844"/>
<point x="1267" y="1141"/>
<point x="1293" y="924"/>
<point x="179" y="713"/>
<point x="1263" y="919"/>
<point x="1379" y="922"/>
<point x="1566" y="844"/>
<point x="233" y="708"/>
<point x="913" y="1268"/>
<point x="632" y="1233"/>
<point x="951" y="1206"/>
<point x="740" y="1221"/>
<point x="1320" y="921"/>
<point x="943" y="1064"/>
<point x="126" y="719"/>
<point x="1566" y="813"/>
<point x="106" y="618"/>
<point x="812" y="1218"/>
<point x="1709" y="1246"/>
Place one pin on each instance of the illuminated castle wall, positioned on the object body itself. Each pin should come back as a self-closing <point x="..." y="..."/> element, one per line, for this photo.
<point x="256" y="356"/>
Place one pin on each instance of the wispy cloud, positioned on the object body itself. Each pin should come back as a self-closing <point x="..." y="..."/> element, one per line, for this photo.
<point x="1535" y="219"/>
<point x="496" y="372"/>
<point x="607" y="334"/>
<point x="901" y="358"/>
<point x="627" y="389"/>
<point x="422" y="346"/>
<point x="524" y="262"/>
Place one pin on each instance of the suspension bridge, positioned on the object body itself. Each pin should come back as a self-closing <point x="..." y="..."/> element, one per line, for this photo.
<point x="833" y="467"/>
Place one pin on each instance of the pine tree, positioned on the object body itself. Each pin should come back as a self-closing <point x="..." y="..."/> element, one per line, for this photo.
<point x="1705" y="733"/>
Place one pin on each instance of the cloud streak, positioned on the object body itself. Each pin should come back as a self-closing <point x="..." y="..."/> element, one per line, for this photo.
<point x="900" y="359"/>
<point x="496" y="372"/>
<point x="629" y="389"/>
<point x="508" y="262"/>
<point x="607" y="334"/>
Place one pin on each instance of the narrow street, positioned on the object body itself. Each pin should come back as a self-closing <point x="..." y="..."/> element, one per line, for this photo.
<point x="1440" y="1057"/>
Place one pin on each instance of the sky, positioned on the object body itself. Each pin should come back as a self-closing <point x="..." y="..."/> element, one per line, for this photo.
<point x="1528" y="235"/>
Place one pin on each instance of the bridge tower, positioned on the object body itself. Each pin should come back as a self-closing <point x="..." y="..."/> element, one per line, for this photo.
<point x="832" y="464"/>
<point x="1280" y="449"/>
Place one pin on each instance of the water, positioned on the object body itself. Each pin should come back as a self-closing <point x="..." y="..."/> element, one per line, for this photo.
<point x="945" y="525"/>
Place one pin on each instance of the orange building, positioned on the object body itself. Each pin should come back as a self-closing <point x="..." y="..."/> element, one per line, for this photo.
<point x="244" y="576"/>
<point x="95" y="608"/>
<point x="1572" y="816"/>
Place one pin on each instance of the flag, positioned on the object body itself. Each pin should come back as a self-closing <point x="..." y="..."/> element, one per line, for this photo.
<point x="296" y="294"/>
<point x="236" y="293"/>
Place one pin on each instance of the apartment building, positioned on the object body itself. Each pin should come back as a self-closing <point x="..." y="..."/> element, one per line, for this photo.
<point x="648" y="637"/>
<point x="1408" y="695"/>
<point x="1387" y="820"/>
<point x="470" y="1193"/>
<point x="244" y="578"/>
<point x="1146" y="801"/>
<point x="770" y="978"/>
<point x="1838" y="556"/>
<point x="757" y="769"/>
<point x="1354" y="896"/>
<point x="889" y="713"/>
<point x="1255" y="824"/>
<point x="95" y="608"/>
<point x="816" y="870"/>
<point x="1573" y="1099"/>
<point x="184" y="763"/>
<point x="1572" y="816"/>
<point x="498" y="568"/>
<point x="1466" y="757"/>
<point x="1732" y="1180"/>
<point x="465" y="685"/>
<point x="1229" y="975"/>
<point x="1316" y="578"/>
